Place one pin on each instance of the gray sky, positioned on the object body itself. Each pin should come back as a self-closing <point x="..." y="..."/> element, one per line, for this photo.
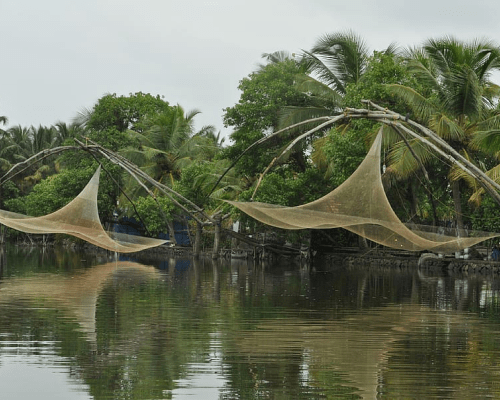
<point x="59" y="56"/>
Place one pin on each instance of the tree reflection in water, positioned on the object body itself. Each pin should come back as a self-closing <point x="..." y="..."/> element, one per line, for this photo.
<point x="199" y="327"/>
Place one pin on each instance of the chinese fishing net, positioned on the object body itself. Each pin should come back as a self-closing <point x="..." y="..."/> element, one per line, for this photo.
<point x="361" y="206"/>
<point x="80" y="218"/>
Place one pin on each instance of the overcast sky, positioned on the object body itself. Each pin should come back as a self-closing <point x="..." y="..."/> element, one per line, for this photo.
<point x="60" y="56"/>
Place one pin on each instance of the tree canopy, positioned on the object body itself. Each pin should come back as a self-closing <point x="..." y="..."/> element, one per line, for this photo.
<point x="444" y="84"/>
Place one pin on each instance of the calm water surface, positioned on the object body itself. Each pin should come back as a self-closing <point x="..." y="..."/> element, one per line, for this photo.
<point x="76" y="326"/>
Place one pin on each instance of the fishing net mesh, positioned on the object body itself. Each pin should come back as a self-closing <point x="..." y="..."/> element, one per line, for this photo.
<point x="361" y="206"/>
<point x="80" y="218"/>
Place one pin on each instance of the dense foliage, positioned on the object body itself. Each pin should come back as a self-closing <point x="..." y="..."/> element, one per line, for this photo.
<point x="445" y="85"/>
<point x="264" y="94"/>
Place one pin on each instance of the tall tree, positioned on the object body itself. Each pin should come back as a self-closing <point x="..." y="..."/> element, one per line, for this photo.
<point x="165" y="147"/>
<point x="3" y="121"/>
<point x="335" y="62"/>
<point x="264" y="94"/>
<point x="338" y="59"/>
<point x="167" y="143"/>
<point x="457" y="97"/>
<point x="123" y="112"/>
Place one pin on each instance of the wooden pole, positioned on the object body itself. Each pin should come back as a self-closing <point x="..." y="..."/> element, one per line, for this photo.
<point x="197" y="240"/>
<point x="217" y="237"/>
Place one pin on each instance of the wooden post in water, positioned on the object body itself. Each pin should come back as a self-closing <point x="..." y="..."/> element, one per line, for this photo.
<point x="217" y="225"/>
<point x="2" y="260"/>
<point x="197" y="239"/>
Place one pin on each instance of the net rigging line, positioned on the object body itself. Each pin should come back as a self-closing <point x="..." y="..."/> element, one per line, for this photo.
<point x="80" y="218"/>
<point x="360" y="205"/>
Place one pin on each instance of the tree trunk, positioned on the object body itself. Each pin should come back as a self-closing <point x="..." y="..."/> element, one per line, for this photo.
<point x="189" y="232"/>
<point x="171" y="232"/>
<point x="363" y="244"/>
<point x="2" y="261"/>
<point x="413" y="198"/>
<point x="435" y="218"/>
<point x="458" y="206"/>
<point x="215" y="250"/>
<point x="197" y="239"/>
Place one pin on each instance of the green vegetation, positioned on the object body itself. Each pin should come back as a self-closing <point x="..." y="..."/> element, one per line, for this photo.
<point x="444" y="85"/>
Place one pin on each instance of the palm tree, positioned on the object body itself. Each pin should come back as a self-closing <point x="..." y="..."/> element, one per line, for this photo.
<point x="168" y="144"/>
<point x="165" y="145"/>
<point x="42" y="138"/>
<point x="4" y="145"/>
<point x="3" y="121"/>
<point x="19" y="143"/>
<point x="64" y="132"/>
<point x="336" y="61"/>
<point x="19" y="139"/>
<point x="457" y="100"/>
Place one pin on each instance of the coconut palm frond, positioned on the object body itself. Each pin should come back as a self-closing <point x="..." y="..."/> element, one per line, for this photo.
<point x="142" y="138"/>
<point x="393" y="49"/>
<point x="477" y="196"/>
<point x="447" y="128"/>
<point x="494" y="173"/>
<point x="319" y="158"/>
<point x="487" y="141"/>
<point x="457" y="173"/>
<point x="390" y="135"/>
<point x="464" y="93"/>
<point x="319" y="69"/>
<point x="425" y="72"/>
<point x="420" y="106"/>
<point x="402" y="161"/>
<point x="227" y="192"/>
<point x="491" y="94"/>
<point x="491" y="120"/>
<point x="276" y="57"/>
<point x="346" y="55"/>
<point x="316" y="88"/>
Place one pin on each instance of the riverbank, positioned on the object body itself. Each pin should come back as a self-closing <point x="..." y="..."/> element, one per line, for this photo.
<point x="342" y="257"/>
<point x="409" y="260"/>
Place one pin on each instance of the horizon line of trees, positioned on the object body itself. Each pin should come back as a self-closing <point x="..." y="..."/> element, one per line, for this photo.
<point x="444" y="84"/>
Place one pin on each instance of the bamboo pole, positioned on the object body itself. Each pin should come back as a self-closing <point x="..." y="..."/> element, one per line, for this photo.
<point x="130" y="168"/>
<point x="380" y="114"/>
<point x="476" y="172"/>
<point x="136" y="172"/>
<point x="217" y="238"/>
<point x="197" y="239"/>
<point x="290" y="146"/>
<point x="393" y="119"/>
<point x="23" y="165"/>
<point x="263" y="140"/>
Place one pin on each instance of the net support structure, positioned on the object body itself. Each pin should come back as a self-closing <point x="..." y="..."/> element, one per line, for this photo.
<point x="360" y="205"/>
<point x="80" y="218"/>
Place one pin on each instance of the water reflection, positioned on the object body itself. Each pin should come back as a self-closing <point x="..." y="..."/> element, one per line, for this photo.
<point x="75" y="295"/>
<point x="207" y="329"/>
<point x="45" y="378"/>
<point x="2" y="260"/>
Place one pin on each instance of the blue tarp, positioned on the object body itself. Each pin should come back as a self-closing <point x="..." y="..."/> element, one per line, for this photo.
<point x="131" y="226"/>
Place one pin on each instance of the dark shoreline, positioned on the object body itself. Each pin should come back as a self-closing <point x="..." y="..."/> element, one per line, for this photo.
<point x="445" y="264"/>
<point x="340" y="258"/>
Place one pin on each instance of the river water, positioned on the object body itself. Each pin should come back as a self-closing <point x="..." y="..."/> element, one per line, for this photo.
<point x="81" y="326"/>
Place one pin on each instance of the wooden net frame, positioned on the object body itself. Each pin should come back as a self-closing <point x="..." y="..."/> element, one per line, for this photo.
<point x="360" y="205"/>
<point x="80" y="218"/>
